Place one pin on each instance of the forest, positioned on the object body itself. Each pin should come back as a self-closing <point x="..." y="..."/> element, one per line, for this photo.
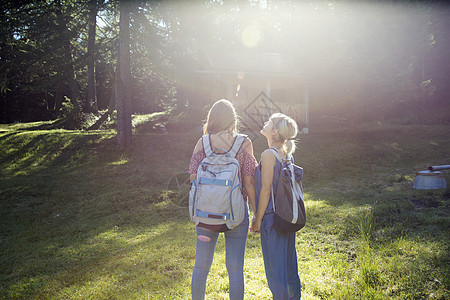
<point x="361" y="60"/>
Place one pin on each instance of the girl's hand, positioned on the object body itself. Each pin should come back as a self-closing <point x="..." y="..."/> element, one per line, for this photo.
<point x="256" y="226"/>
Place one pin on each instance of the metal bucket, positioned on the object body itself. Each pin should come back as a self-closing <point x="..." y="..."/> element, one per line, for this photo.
<point x="429" y="180"/>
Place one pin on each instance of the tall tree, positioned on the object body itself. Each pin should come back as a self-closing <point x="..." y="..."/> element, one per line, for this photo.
<point x="438" y="65"/>
<point x="123" y="101"/>
<point x="91" y="103"/>
<point x="67" y="70"/>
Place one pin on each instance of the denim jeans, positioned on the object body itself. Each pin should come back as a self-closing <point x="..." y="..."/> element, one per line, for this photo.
<point x="235" y="241"/>
<point x="280" y="261"/>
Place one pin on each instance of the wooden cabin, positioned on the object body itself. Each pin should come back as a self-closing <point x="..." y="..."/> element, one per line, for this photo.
<point x="258" y="84"/>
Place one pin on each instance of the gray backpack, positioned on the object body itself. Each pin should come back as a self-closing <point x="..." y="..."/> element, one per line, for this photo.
<point x="215" y="196"/>
<point x="288" y="203"/>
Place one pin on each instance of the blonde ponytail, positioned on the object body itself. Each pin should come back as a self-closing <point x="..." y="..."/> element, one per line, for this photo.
<point x="287" y="131"/>
<point x="290" y="147"/>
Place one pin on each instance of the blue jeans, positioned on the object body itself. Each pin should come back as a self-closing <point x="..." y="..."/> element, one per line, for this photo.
<point x="280" y="261"/>
<point x="235" y="241"/>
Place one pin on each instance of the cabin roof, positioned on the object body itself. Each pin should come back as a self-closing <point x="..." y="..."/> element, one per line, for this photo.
<point x="249" y="62"/>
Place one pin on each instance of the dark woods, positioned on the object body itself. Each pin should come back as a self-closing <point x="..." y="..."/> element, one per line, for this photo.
<point x="59" y="58"/>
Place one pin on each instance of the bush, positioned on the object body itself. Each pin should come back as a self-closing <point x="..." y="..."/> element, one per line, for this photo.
<point x="71" y="112"/>
<point x="74" y="117"/>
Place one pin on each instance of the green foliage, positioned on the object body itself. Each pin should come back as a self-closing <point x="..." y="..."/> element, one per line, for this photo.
<point x="73" y="116"/>
<point x="364" y="224"/>
<point x="71" y="111"/>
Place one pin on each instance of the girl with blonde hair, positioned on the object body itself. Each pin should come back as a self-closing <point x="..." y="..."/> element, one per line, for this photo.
<point x="279" y="253"/>
<point x="221" y="127"/>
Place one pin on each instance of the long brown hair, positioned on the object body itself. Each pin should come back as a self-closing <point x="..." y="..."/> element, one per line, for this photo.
<point x="222" y="116"/>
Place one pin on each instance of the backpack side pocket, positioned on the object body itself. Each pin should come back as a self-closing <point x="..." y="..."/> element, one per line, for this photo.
<point x="192" y="198"/>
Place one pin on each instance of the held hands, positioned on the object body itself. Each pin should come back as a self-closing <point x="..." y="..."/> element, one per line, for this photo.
<point x="256" y="226"/>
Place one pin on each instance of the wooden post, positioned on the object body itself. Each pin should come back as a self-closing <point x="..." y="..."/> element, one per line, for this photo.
<point x="305" y="130"/>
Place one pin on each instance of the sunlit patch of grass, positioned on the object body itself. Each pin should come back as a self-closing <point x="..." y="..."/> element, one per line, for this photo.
<point x="121" y="260"/>
<point x="364" y="224"/>
<point x="148" y="122"/>
<point x="122" y="160"/>
<point x="23" y="126"/>
<point x="145" y="118"/>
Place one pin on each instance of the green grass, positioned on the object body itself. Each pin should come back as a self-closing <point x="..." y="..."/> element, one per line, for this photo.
<point x="81" y="220"/>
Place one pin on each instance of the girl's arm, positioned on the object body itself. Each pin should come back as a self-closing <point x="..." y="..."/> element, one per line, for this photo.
<point x="197" y="147"/>
<point x="267" y="166"/>
<point x="249" y="180"/>
<point x="192" y="177"/>
<point x="249" y="185"/>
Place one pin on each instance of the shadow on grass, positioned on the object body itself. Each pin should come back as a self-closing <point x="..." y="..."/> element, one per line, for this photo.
<point x="34" y="151"/>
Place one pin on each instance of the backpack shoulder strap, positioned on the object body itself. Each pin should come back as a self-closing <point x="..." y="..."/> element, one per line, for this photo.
<point x="278" y="156"/>
<point x="240" y="138"/>
<point x="207" y="145"/>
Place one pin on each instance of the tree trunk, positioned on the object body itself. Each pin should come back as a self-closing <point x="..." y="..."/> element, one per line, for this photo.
<point x="123" y="101"/>
<point x="112" y="98"/>
<point x="91" y="102"/>
<point x="67" y="71"/>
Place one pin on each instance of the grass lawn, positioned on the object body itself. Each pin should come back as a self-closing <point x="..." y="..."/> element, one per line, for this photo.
<point x="81" y="220"/>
